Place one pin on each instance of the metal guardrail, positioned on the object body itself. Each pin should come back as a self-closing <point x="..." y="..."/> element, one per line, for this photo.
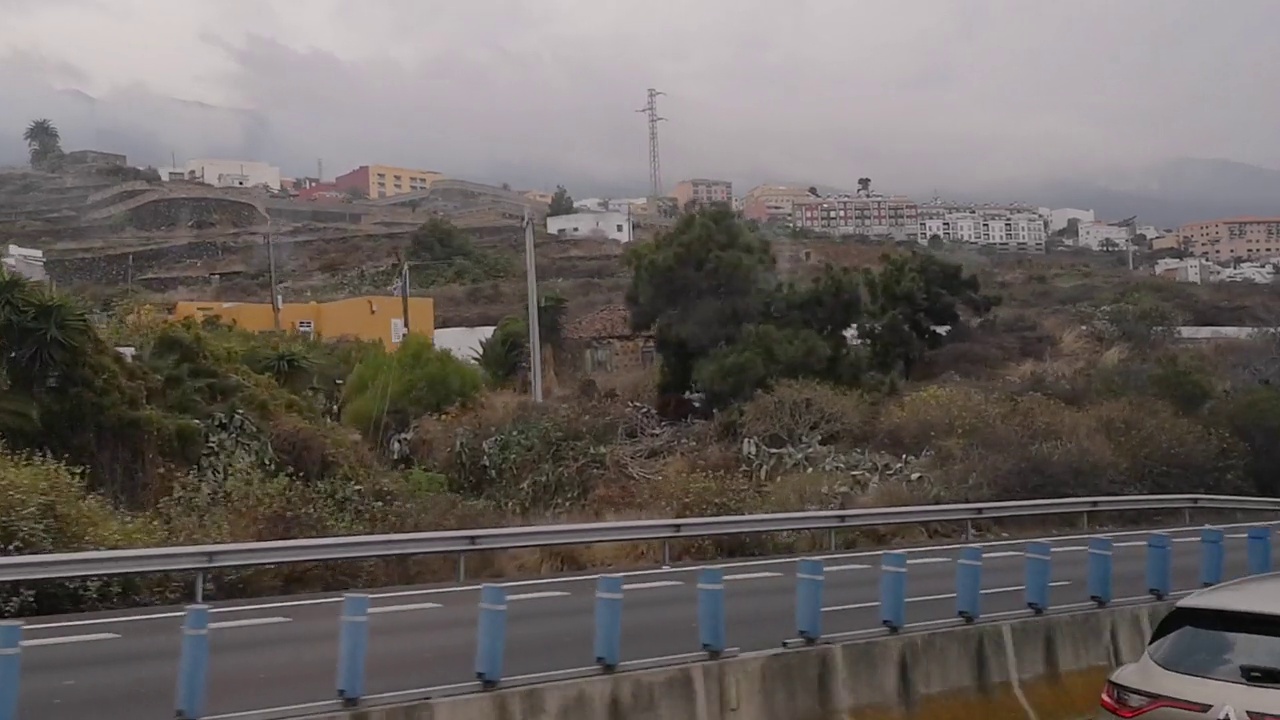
<point x="211" y="557"/>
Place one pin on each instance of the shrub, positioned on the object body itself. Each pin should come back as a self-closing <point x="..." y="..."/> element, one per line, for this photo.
<point x="795" y="411"/>
<point x="991" y="445"/>
<point x="389" y="391"/>
<point x="45" y="506"/>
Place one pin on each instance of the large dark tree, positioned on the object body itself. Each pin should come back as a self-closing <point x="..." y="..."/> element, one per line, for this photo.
<point x="908" y="298"/>
<point x="561" y="203"/>
<point x="725" y="326"/>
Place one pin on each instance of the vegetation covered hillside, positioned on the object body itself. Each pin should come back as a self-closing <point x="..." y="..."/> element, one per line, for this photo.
<point x="759" y="403"/>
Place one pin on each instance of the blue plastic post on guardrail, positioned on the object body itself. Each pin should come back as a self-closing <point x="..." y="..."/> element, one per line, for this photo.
<point x="1039" y="567"/>
<point x="1099" y="579"/>
<point x="1212" y="554"/>
<point x="10" y="667"/>
<point x="969" y="584"/>
<point x="1259" y="550"/>
<point x="193" y="664"/>
<point x="353" y="644"/>
<point x="711" y="610"/>
<point x="608" y="641"/>
<point x="893" y="590"/>
<point x="1159" y="565"/>
<point x="809" y="580"/>
<point x="491" y="635"/>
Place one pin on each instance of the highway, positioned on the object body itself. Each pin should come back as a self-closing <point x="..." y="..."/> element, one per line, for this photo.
<point x="271" y="653"/>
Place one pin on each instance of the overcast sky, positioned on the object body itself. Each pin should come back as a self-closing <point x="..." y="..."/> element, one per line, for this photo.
<point x="917" y="94"/>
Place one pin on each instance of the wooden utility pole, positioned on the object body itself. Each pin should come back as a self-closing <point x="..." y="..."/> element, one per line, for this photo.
<point x="271" y="265"/>
<point x="404" y="295"/>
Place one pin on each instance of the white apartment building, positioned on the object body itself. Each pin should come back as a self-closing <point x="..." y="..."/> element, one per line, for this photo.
<point x="1004" y="231"/>
<point x="871" y="215"/>
<point x="599" y="225"/>
<point x="1101" y="236"/>
<point x="232" y="173"/>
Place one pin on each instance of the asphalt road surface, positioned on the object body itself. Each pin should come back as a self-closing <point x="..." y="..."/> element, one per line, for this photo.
<point x="274" y="653"/>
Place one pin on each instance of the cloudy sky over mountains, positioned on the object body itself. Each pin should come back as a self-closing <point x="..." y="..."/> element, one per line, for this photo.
<point x="917" y="94"/>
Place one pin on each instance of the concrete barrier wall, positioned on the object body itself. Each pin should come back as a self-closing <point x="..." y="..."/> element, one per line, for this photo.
<point x="1049" y="668"/>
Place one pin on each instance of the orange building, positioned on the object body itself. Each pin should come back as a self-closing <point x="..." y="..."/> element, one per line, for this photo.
<point x="367" y="318"/>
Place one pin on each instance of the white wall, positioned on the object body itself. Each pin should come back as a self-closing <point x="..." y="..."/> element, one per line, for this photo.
<point x="613" y="225"/>
<point x="255" y="173"/>
<point x="1058" y="218"/>
<point x="463" y="342"/>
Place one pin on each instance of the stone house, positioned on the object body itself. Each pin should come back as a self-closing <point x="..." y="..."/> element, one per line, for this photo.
<point x="604" y="343"/>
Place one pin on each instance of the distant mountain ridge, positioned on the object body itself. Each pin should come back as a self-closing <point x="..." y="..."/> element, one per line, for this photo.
<point x="1171" y="193"/>
<point x="151" y="129"/>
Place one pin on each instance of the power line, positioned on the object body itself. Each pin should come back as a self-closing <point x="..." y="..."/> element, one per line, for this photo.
<point x="655" y="167"/>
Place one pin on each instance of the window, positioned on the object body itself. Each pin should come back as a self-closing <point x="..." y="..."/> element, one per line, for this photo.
<point x="1220" y="645"/>
<point x="619" y="227"/>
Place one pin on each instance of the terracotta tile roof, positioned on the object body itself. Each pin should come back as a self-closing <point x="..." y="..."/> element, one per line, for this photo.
<point x="611" y="321"/>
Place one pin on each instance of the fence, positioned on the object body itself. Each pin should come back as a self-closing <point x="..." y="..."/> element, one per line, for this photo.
<point x="193" y="661"/>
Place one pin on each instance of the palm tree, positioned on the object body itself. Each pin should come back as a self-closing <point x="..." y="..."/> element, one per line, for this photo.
<point x="43" y="141"/>
<point x="288" y="366"/>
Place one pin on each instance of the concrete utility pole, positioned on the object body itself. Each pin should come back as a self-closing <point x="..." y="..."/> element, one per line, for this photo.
<point x="535" y="337"/>
<point x="655" y="167"/>
<point x="271" y="265"/>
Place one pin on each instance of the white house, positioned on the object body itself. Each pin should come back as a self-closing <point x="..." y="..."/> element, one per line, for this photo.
<point x="233" y="173"/>
<point x="1059" y="218"/>
<point x="600" y="225"/>
<point x="1095" y="236"/>
<point x="25" y="262"/>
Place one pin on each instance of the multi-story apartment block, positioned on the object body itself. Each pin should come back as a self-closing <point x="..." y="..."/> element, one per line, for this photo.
<point x="772" y="203"/>
<point x="996" y="228"/>
<point x="702" y="192"/>
<point x="380" y="181"/>
<point x="1228" y="239"/>
<point x="874" y="215"/>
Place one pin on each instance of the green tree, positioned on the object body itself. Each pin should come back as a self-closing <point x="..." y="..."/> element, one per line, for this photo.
<point x="936" y="242"/>
<point x="724" y="325"/>
<point x="44" y="143"/>
<point x="908" y="298"/>
<point x="389" y="391"/>
<point x="504" y="353"/>
<point x="697" y="287"/>
<point x="561" y="203"/>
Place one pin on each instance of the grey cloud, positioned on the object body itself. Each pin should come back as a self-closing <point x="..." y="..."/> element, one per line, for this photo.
<point x="980" y="94"/>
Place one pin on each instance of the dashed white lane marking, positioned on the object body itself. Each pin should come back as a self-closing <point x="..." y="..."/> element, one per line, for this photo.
<point x="66" y="639"/>
<point x="536" y="595"/>
<point x="944" y="596"/>
<point x="850" y="566"/>
<point x="248" y="622"/>
<point x="752" y="576"/>
<point x="651" y="585"/>
<point x="927" y="560"/>
<point x="1003" y="554"/>
<point x="403" y="608"/>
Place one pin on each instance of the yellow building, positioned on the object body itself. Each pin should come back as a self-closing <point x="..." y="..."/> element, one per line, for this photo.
<point x="366" y="318"/>
<point x="379" y="181"/>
